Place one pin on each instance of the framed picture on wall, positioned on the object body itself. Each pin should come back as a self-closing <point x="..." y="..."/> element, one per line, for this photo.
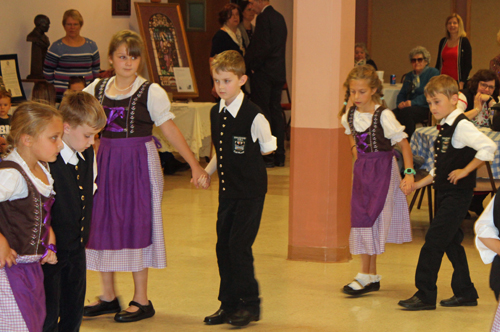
<point x="121" y="7"/>
<point x="195" y="15"/>
<point x="167" y="50"/>
<point x="10" y="79"/>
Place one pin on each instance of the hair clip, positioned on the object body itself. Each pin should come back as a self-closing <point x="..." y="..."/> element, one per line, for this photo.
<point x="345" y="103"/>
<point x="382" y="98"/>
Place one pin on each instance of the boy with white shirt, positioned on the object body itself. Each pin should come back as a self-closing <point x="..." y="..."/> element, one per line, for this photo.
<point x="241" y="135"/>
<point x="74" y="174"/>
<point x="459" y="149"/>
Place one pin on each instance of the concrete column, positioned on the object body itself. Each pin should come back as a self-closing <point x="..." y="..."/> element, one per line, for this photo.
<point x="321" y="162"/>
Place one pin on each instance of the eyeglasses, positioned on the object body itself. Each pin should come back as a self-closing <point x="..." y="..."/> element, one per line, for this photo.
<point x="486" y="86"/>
<point x="419" y="60"/>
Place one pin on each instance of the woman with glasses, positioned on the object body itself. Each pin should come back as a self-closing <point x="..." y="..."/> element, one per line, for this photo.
<point x="455" y="53"/>
<point x="412" y="105"/>
<point x="481" y="93"/>
<point x="72" y="55"/>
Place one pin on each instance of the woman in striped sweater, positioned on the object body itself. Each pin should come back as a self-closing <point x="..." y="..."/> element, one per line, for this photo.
<point x="72" y="55"/>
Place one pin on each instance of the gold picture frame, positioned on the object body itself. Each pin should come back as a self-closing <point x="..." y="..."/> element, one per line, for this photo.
<point x="167" y="50"/>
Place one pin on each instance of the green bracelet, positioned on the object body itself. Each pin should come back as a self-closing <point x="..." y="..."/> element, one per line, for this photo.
<point x="409" y="171"/>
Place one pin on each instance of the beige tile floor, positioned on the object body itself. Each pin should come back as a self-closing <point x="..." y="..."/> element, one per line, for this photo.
<point x="297" y="296"/>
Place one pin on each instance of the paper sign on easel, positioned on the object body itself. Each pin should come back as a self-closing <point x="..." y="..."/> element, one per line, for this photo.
<point x="183" y="79"/>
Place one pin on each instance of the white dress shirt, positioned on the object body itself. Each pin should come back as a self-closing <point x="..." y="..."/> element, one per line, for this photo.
<point x="69" y="157"/>
<point x="485" y="228"/>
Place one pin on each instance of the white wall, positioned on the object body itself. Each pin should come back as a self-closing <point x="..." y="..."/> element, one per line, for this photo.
<point x="16" y="22"/>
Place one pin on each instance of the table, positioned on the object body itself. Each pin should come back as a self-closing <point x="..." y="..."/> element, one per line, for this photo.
<point x="422" y="144"/>
<point x="391" y="93"/>
<point x="193" y="120"/>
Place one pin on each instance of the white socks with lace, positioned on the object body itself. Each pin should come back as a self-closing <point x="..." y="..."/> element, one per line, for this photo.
<point x="363" y="279"/>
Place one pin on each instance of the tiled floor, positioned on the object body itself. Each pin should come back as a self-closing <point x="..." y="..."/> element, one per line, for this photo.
<point x="297" y="296"/>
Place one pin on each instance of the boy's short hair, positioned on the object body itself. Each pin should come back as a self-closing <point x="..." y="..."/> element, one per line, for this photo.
<point x="76" y="79"/>
<point x="80" y="108"/>
<point x="231" y="61"/>
<point x="5" y="94"/>
<point x="441" y="84"/>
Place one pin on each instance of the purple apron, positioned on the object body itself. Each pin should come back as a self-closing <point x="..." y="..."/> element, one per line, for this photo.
<point x="121" y="217"/>
<point x="372" y="176"/>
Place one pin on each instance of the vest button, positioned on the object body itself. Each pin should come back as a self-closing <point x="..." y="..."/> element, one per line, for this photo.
<point x="82" y="229"/>
<point x="220" y="165"/>
<point x="81" y="188"/>
<point x="223" y="189"/>
<point x="222" y="181"/>
<point x="221" y="173"/>
<point x="76" y="167"/>
<point x="83" y="197"/>
<point x="220" y="149"/>
<point x="78" y="177"/>
<point x="222" y="133"/>
<point x="220" y="157"/>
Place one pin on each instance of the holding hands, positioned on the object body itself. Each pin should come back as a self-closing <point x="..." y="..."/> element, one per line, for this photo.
<point x="51" y="258"/>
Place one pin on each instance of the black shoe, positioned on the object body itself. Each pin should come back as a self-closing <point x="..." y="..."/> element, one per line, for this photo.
<point x="219" y="317"/>
<point x="145" y="311"/>
<point x="414" y="303"/>
<point x="371" y="287"/>
<point x="242" y="317"/>
<point x="458" y="302"/>
<point x="279" y="163"/>
<point x="270" y="164"/>
<point x="102" y="308"/>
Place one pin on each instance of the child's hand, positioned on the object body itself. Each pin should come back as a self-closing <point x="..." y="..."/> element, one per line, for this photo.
<point x="409" y="181"/>
<point x="8" y="259"/>
<point x="204" y="181"/>
<point x="456" y="175"/>
<point x="197" y="173"/>
<point x="51" y="258"/>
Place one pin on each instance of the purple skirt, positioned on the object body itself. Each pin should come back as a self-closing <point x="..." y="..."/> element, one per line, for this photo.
<point x="372" y="175"/>
<point x="121" y="217"/>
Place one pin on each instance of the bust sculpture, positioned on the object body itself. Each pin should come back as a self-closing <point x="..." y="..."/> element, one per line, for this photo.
<point x="40" y="44"/>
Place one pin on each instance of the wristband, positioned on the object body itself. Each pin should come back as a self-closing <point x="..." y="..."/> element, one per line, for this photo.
<point x="409" y="171"/>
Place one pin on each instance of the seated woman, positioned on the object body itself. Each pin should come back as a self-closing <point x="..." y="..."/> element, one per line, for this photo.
<point x="481" y="93"/>
<point x="411" y="101"/>
<point x="361" y="56"/>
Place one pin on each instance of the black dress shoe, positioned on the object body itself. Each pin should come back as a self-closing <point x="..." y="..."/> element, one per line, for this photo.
<point x="414" y="303"/>
<point x="102" y="308"/>
<point x="458" y="302"/>
<point x="279" y="163"/>
<point x="371" y="287"/>
<point x="145" y="311"/>
<point x="219" y="317"/>
<point x="270" y="164"/>
<point x="242" y="317"/>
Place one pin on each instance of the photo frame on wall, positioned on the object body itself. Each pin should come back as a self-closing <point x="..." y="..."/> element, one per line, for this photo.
<point x="121" y="7"/>
<point x="167" y="50"/>
<point x="196" y="15"/>
<point x="10" y="78"/>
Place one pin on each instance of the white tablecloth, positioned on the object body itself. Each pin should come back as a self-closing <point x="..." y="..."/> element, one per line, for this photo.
<point x="193" y="120"/>
<point x="391" y="93"/>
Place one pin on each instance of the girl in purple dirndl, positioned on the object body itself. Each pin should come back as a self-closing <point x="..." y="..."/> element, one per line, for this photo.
<point x="26" y="197"/>
<point x="127" y="227"/>
<point x="379" y="210"/>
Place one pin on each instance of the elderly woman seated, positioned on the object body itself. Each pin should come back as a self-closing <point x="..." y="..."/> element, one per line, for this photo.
<point x="481" y="93"/>
<point x="412" y="104"/>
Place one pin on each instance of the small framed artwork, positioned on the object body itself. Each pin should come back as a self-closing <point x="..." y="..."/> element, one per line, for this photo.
<point x="195" y="15"/>
<point x="167" y="50"/>
<point x="10" y="79"/>
<point x="121" y="7"/>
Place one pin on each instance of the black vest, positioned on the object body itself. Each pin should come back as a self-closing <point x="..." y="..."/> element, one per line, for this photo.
<point x="448" y="159"/>
<point x="241" y="168"/>
<point x="72" y="210"/>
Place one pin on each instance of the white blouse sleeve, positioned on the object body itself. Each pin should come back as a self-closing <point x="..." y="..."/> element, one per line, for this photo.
<point x="159" y="105"/>
<point x="344" y="122"/>
<point x="393" y="130"/>
<point x="485" y="228"/>
<point x="462" y="102"/>
<point x="12" y="185"/>
<point x="91" y="87"/>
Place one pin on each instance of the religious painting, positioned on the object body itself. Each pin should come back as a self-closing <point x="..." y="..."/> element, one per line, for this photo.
<point x="168" y="58"/>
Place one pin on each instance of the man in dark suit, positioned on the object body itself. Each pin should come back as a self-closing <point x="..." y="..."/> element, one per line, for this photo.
<point x="265" y="61"/>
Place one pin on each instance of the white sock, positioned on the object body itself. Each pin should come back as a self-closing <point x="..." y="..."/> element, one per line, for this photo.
<point x="375" y="277"/>
<point x="360" y="281"/>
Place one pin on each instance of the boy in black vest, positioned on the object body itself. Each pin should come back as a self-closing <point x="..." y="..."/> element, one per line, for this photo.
<point x="74" y="173"/>
<point x="459" y="149"/>
<point x="241" y="135"/>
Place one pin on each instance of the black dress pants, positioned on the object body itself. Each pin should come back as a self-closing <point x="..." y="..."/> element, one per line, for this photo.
<point x="445" y="236"/>
<point x="237" y="226"/>
<point x="266" y="93"/>
<point x="410" y="116"/>
<point x="65" y="284"/>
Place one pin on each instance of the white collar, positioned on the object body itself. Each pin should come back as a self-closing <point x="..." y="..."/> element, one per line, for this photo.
<point x="69" y="155"/>
<point x="451" y="117"/>
<point x="235" y="105"/>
